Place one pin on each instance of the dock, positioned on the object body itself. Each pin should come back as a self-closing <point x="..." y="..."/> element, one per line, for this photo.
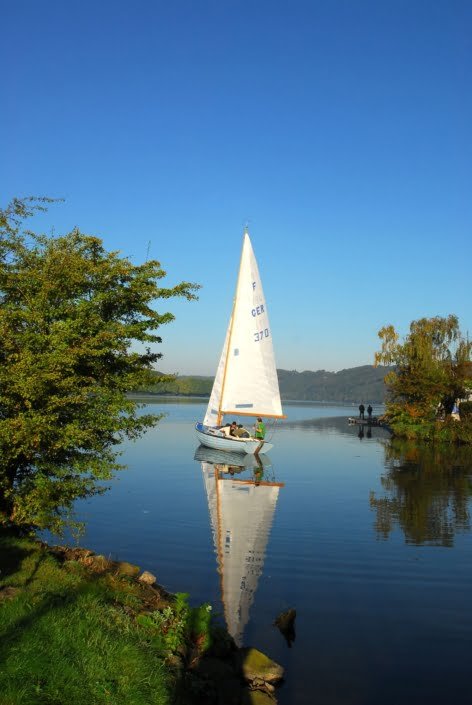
<point x="373" y="421"/>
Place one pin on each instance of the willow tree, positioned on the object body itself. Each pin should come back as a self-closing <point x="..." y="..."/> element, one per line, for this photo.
<point x="432" y="371"/>
<point x="70" y="312"/>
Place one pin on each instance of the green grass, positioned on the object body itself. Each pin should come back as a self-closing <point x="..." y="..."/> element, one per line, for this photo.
<point x="71" y="636"/>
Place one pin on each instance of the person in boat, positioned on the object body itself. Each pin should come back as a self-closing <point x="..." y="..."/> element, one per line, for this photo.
<point x="241" y="432"/>
<point x="369" y="412"/>
<point x="361" y="411"/>
<point x="258" y="475"/>
<point x="260" y="431"/>
<point x="233" y="469"/>
<point x="233" y="428"/>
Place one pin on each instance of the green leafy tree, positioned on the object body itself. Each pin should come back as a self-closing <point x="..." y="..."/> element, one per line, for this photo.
<point x="69" y="313"/>
<point x="432" y="370"/>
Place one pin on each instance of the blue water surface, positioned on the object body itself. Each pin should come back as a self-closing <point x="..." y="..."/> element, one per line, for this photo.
<point x="382" y="615"/>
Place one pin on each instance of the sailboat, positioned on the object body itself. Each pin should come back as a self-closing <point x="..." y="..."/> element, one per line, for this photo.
<point x="241" y="509"/>
<point x="246" y="382"/>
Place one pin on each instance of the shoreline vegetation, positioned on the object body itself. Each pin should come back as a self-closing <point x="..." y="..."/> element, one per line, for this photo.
<point x="430" y="384"/>
<point x="78" y="627"/>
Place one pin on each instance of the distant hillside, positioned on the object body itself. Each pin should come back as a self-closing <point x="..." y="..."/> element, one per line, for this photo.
<point x="353" y="385"/>
<point x="181" y="386"/>
<point x="356" y="384"/>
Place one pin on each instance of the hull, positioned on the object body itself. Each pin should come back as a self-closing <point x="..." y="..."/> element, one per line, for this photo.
<point x="224" y="457"/>
<point x="233" y="445"/>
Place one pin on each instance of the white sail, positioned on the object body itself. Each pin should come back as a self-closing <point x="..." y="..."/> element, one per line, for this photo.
<point x="213" y="408"/>
<point x="208" y="471"/>
<point x="246" y="381"/>
<point x="241" y="516"/>
<point x="245" y="515"/>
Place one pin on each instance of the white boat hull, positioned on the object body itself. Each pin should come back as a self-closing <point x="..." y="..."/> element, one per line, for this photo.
<point x="218" y="457"/>
<point x="234" y="445"/>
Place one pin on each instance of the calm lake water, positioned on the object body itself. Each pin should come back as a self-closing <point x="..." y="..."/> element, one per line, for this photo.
<point x="370" y="543"/>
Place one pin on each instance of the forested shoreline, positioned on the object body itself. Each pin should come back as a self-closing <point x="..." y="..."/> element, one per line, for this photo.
<point x="365" y="383"/>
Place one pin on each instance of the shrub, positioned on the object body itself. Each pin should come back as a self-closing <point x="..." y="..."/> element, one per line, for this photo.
<point x="174" y="627"/>
<point x="465" y="410"/>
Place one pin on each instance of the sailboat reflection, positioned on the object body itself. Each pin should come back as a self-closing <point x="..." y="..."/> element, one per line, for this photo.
<point x="242" y="495"/>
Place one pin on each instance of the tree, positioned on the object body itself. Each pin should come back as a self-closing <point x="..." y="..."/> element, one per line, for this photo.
<point x="69" y="313"/>
<point x="432" y="370"/>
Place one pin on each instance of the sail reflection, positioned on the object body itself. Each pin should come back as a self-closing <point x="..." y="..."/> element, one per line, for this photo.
<point x="242" y="495"/>
<point x="428" y="492"/>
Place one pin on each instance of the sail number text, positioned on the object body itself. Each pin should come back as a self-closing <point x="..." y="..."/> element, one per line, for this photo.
<point x="258" y="310"/>
<point x="261" y="334"/>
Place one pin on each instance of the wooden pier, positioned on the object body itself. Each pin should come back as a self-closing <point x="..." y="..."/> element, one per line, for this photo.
<point x="372" y="421"/>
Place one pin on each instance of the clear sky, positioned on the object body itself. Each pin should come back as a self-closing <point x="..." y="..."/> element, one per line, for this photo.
<point x="341" y="130"/>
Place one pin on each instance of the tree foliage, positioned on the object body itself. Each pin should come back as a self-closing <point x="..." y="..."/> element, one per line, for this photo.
<point x="432" y="370"/>
<point x="177" y="385"/>
<point x="69" y="313"/>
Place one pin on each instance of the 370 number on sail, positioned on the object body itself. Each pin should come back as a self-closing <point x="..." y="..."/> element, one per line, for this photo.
<point x="261" y="334"/>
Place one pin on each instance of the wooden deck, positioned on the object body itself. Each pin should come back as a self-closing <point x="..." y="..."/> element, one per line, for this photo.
<point x="373" y="421"/>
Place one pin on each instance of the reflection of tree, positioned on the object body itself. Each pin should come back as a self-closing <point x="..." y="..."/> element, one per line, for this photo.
<point x="427" y="492"/>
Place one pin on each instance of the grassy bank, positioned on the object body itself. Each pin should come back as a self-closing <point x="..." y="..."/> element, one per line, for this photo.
<point x="81" y="630"/>
<point x="448" y="431"/>
<point x="78" y="628"/>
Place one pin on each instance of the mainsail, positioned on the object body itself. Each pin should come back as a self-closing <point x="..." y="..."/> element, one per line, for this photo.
<point x="246" y="380"/>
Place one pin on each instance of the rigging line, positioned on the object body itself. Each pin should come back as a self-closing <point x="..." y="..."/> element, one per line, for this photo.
<point x="271" y="424"/>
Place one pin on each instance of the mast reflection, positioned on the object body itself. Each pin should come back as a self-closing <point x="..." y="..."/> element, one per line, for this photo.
<point x="242" y="495"/>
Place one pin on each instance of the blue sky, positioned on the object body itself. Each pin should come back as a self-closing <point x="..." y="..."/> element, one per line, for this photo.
<point x="341" y="130"/>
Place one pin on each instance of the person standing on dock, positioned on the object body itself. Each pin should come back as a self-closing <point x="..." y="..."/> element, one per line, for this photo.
<point x="369" y="412"/>
<point x="361" y="411"/>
